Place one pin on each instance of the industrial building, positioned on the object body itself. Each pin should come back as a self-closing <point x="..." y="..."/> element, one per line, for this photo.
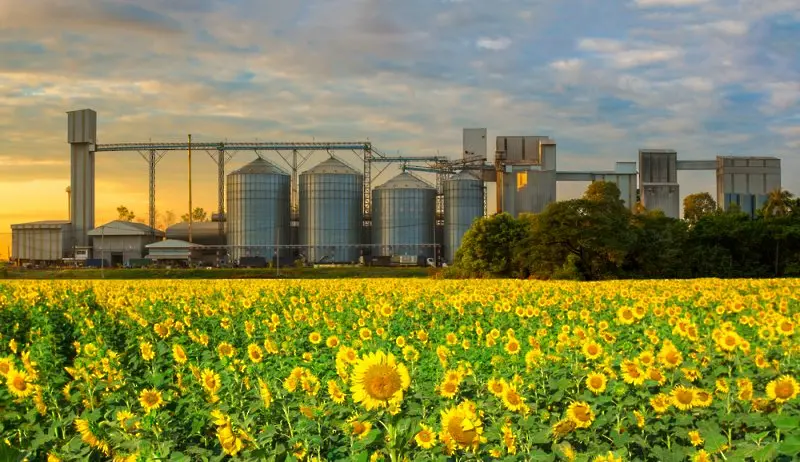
<point x="118" y="242"/>
<point x="332" y="213"/>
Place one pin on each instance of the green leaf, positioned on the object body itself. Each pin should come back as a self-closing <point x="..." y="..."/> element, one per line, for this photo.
<point x="767" y="453"/>
<point x="790" y="446"/>
<point x="786" y="422"/>
<point x="714" y="441"/>
<point x="542" y="437"/>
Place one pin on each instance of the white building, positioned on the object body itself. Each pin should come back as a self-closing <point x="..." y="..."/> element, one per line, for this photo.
<point x="118" y="242"/>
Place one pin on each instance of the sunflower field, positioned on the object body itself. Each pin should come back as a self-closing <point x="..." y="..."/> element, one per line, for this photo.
<point x="400" y="370"/>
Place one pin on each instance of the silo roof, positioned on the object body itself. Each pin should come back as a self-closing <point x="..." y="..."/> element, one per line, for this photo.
<point x="331" y="166"/>
<point x="405" y="180"/>
<point x="464" y="175"/>
<point x="259" y="166"/>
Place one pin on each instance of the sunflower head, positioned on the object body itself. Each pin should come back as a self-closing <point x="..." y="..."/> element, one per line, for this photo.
<point x="462" y="425"/>
<point x="378" y="379"/>
<point x="783" y="389"/>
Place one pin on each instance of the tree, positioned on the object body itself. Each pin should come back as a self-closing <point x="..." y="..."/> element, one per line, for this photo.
<point x="198" y="214"/>
<point x="125" y="214"/>
<point x="167" y="219"/>
<point x="779" y="203"/>
<point x="488" y="246"/>
<point x="697" y="206"/>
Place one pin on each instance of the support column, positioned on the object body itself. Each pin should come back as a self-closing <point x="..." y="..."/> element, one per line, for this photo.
<point x="221" y="191"/>
<point x="151" y="161"/>
<point x="82" y="137"/>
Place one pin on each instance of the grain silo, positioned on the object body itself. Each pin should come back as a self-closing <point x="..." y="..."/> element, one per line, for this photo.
<point x="258" y="209"/>
<point x="463" y="202"/>
<point x="331" y="213"/>
<point x="403" y="217"/>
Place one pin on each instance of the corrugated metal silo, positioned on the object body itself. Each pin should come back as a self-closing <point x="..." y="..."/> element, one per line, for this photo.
<point x="403" y="216"/>
<point x="331" y="213"/>
<point x="258" y="209"/>
<point x="463" y="202"/>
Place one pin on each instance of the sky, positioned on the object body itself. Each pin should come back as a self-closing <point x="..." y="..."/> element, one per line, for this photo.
<point x="602" y="78"/>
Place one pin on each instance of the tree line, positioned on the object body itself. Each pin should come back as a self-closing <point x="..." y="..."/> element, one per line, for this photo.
<point x="163" y="220"/>
<point x="597" y="237"/>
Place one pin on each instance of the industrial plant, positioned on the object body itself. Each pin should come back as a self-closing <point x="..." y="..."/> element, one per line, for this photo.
<point x="332" y="213"/>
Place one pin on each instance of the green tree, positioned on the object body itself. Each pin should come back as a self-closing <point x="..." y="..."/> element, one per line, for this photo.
<point x="488" y="247"/>
<point x="779" y="203"/>
<point x="198" y="214"/>
<point x="124" y="214"/>
<point x="697" y="206"/>
<point x="588" y="237"/>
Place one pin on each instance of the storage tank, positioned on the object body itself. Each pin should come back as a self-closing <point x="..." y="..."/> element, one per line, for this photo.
<point x="331" y="213"/>
<point x="258" y="209"/>
<point x="463" y="202"/>
<point x="203" y="233"/>
<point x="403" y="216"/>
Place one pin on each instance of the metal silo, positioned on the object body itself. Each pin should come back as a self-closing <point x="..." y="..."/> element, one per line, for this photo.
<point x="331" y="212"/>
<point x="258" y="209"/>
<point x="463" y="202"/>
<point x="403" y="216"/>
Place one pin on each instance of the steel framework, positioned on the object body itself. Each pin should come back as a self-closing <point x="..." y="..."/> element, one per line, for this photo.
<point x="222" y="152"/>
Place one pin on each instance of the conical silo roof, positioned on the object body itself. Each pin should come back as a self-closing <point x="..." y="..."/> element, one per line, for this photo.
<point x="331" y="166"/>
<point x="405" y="180"/>
<point x="464" y="175"/>
<point x="259" y="167"/>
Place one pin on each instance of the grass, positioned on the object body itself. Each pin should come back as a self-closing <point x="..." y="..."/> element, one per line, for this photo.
<point x="222" y="273"/>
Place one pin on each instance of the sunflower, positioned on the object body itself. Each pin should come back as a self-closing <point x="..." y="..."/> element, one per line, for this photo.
<point x="426" y="437"/>
<point x="178" y="354"/>
<point x="146" y="349"/>
<point x="581" y="414"/>
<point x="378" y="379"/>
<point x="632" y="373"/>
<point x="513" y="401"/>
<point x="497" y="387"/>
<point x="512" y="346"/>
<point x="701" y="456"/>
<point x="596" y="382"/>
<point x="336" y="394"/>
<point x="683" y="397"/>
<point x="728" y="341"/>
<point x="702" y="398"/>
<point x="18" y="384"/>
<point x="462" y="425"/>
<point x="660" y="403"/>
<point x="782" y="389"/>
<point x="448" y="389"/>
<point x="315" y="337"/>
<point x="625" y="316"/>
<point x="670" y="357"/>
<point x="210" y="381"/>
<point x="88" y="436"/>
<point x="639" y="419"/>
<point x="359" y="428"/>
<point x="6" y="366"/>
<point x="225" y="350"/>
<point x="255" y="353"/>
<point x="695" y="438"/>
<point x="332" y="341"/>
<point x="150" y="399"/>
<point x="592" y="350"/>
<point x="655" y="375"/>
<point x="266" y="395"/>
<point x="562" y="428"/>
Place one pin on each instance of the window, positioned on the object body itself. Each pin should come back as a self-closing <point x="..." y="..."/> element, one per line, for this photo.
<point x="522" y="180"/>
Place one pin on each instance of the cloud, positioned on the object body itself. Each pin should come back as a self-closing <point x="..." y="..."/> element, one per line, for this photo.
<point x="668" y="3"/>
<point x="500" y="43"/>
<point x="602" y="78"/>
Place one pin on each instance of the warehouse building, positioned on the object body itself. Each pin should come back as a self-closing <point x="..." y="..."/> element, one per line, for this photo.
<point x="118" y="242"/>
<point x="41" y="242"/>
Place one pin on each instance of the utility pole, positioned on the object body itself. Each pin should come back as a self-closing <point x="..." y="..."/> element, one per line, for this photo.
<point x="190" y="188"/>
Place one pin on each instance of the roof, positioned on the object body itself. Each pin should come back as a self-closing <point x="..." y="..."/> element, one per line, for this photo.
<point x="259" y="167"/>
<point x="42" y="224"/>
<point x="331" y="166"/>
<point x="124" y="228"/>
<point x="464" y="175"/>
<point x="405" y="180"/>
<point x="171" y="244"/>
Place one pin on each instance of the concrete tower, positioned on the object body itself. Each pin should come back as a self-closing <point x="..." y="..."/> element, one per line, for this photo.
<point x="82" y="137"/>
<point x="658" y="180"/>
